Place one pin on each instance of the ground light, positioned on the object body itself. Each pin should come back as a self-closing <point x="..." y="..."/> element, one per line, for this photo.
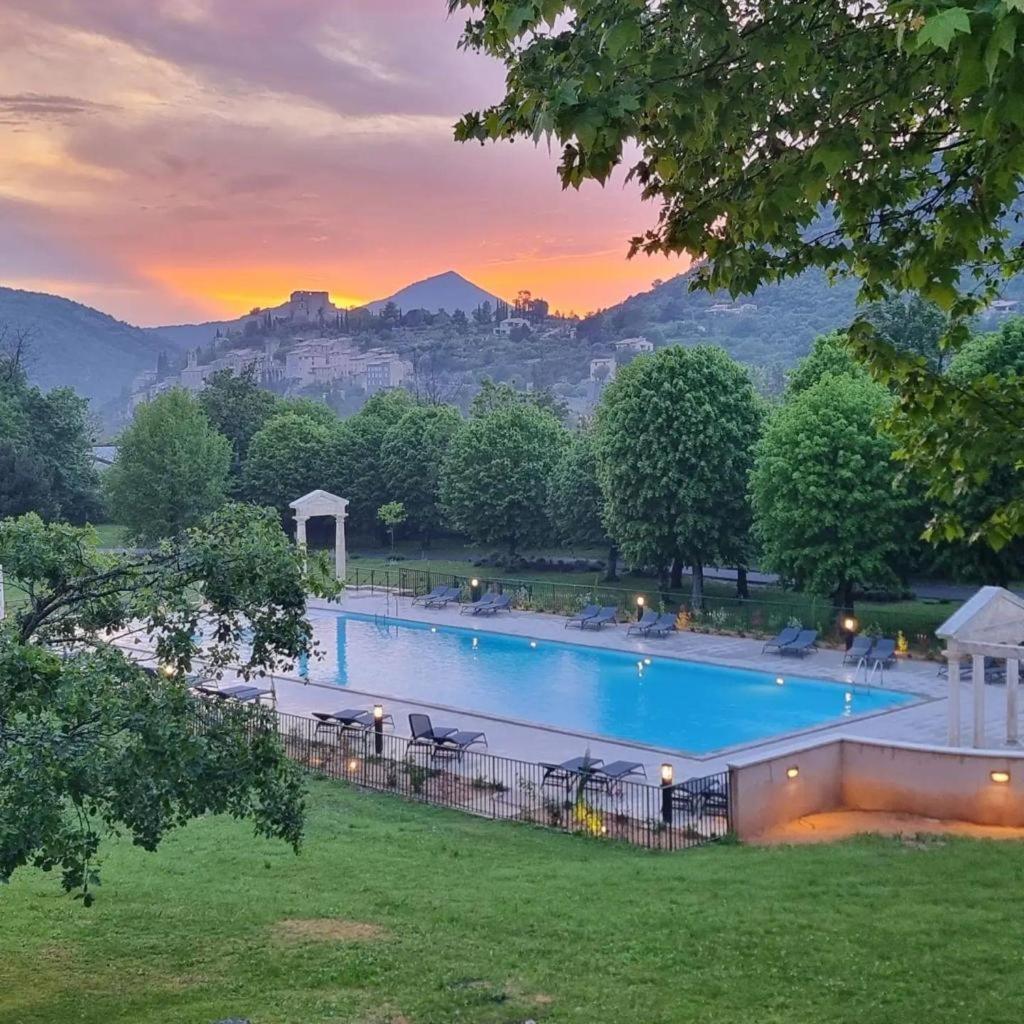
<point x="667" y="776"/>
<point x="378" y="729"/>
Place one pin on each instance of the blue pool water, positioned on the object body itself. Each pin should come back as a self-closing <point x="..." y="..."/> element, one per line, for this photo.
<point x="684" y="705"/>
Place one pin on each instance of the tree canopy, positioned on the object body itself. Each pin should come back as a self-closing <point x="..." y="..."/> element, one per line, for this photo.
<point x="494" y="479"/>
<point x="91" y="743"/>
<point x="238" y="407"/>
<point x="171" y="468"/>
<point x="675" y="436"/>
<point x="288" y="457"/>
<point x="45" y="449"/>
<point x="880" y="141"/>
<point x="411" y="457"/>
<point x="827" y="512"/>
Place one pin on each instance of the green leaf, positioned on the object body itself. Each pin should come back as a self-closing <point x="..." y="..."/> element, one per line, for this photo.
<point x="939" y="29"/>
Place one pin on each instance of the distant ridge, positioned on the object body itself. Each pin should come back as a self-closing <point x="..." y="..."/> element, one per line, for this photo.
<point x="72" y="345"/>
<point x="448" y="291"/>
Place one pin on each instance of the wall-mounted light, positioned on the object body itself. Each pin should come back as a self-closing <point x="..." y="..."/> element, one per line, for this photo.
<point x="667" y="774"/>
<point x="353" y="765"/>
<point x="1001" y="777"/>
<point x="793" y="772"/>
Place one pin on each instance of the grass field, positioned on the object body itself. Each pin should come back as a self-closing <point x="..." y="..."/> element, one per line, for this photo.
<point x="400" y="914"/>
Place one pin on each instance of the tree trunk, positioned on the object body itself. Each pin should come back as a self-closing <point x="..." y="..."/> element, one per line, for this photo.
<point x="663" y="577"/>
<point x="742" y="589"/>
<point x="677" y="573"/>
<point x="612" y="573"/>
<point x="512" y="546"/>
<point x="697" y="592"/>
<point x="842" y="598"/>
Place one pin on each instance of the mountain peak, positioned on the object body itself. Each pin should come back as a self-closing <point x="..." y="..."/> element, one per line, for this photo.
<point x="448" y="290"/>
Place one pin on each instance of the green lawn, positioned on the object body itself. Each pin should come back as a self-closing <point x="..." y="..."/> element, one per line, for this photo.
<point x="401" y="914"/>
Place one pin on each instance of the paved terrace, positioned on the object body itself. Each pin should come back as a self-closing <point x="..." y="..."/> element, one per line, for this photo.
<point x="921" y="722"/>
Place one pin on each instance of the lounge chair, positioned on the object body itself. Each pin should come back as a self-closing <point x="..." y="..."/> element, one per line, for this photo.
<point x="860" y="648"/>
<point x="588" y="613"/>
<point x="239" y="692"/>
<point x="647" y="620"/>
<point x="666" y="624"/>
<point x="619" y="770"/>
<point x="884" y="652"/>
<point x="787" y="636"/>
<point x="447" y="594"/>
<point x="432" y="596"/>
<point x="347" y="718"/>
<point x="804" y="643"/>
<point x="566" y="771"/>
<point x="483" y="602"/>
<point x="444" y="737"/>
<point x="701" y="796"/>
<point x="500" y="603"/>
<point x="606" y="614"/>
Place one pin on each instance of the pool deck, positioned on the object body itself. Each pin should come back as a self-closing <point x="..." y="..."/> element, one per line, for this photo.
<point x="921" y="722"/>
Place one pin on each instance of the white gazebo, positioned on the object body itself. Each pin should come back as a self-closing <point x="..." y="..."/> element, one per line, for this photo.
<point x="989" y="625"/>
<point x="323" y="503"/>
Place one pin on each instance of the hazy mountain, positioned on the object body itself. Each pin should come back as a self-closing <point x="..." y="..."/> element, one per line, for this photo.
<point x="449" y="291"/>
<point x="74" y="345"/>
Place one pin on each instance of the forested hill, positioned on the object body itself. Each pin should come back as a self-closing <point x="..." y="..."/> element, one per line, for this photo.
<point x="775" y="326"/>
<point x="77" y="346"/>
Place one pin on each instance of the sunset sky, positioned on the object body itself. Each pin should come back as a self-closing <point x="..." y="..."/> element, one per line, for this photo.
<point x="174" y="160"/>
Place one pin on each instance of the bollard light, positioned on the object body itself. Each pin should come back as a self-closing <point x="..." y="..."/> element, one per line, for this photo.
<point x="474" y="582"/>
<point x="378" y="729"/>
<point x="850" y="624"/>
<point x="378" y="712"/>
<point x="793" y="772"/>
<point x="1000" y="777"/>
<point x="667" y="775"/>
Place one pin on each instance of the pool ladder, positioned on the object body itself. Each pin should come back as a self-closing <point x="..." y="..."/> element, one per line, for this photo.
<point x="869" y="673"/>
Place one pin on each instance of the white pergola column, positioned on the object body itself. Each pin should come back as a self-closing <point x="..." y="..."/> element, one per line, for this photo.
<point x="953" y="703"/>
<point x="978" y="678"/>
<point x="339" y="546"/>
<point x="300" y="532"/>
<point x="1012" y="681"/>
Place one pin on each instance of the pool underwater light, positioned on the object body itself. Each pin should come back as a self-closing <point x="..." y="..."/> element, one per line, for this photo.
<point x="779" y="681"/>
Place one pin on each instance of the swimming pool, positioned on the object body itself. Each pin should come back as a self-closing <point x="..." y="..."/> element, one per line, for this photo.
<point x="656" y="700"/>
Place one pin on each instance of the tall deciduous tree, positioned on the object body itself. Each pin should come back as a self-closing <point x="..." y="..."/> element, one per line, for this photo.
<point x="675" y="433"/>
<point x="45" y="447"/>
<point x="238" y="407"/>
<point x="411" y="457"/>
<point x="575" y="501"/>
<point x="92" y="743"/>
<point x="356" y="453"/>
<point x="827" y="512"/>
<point x="881" y="140"/>
<point x="494" y="479"/>
<point x="288" y="458"/>
<point x="171" y="468"/>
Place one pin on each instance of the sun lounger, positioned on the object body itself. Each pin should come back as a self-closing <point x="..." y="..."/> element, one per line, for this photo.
<point x="666" y="624"/>
<point x="802" y="645"/>
<point x="239" y="692"/>
<point x="432" y="596"/>
<point x="606" y="614"/>
<point x="647" y="620"/>
<point x="500" y="603"/>
<point x="619" y="770"/>
<point x="860" y="648"/>
<point x="884" y="652"/>
<point x="700" y="797"/>
<point x="787" y="636"/>
<point x="347" y="718"/>
<point x="483" y="602"/>
<point x="587" y="613"/>
<point x="566" y="771"/>
<point x="443" y="737"/>
<point x="447" y="594"/>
